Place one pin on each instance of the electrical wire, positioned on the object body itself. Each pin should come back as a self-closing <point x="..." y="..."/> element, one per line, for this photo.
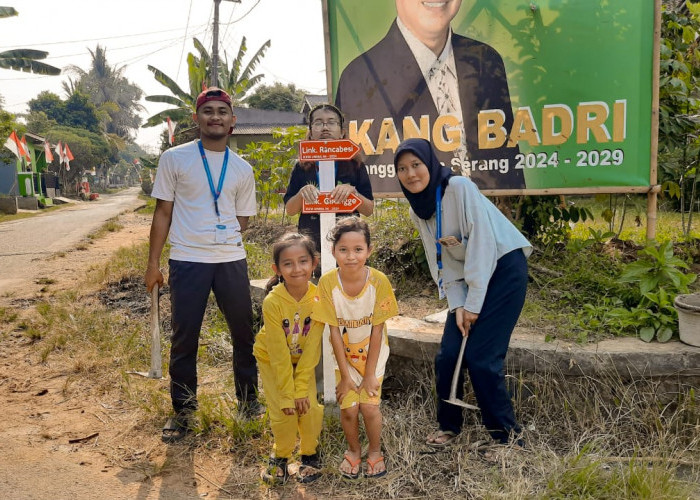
<point x="29" y="46"/>
<point x="182" y="50"/>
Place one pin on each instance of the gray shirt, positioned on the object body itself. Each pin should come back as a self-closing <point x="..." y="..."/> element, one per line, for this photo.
<point x="483" y="235"/>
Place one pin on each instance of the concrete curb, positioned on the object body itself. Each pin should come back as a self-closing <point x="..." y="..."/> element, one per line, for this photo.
<point x="414" y="344"/>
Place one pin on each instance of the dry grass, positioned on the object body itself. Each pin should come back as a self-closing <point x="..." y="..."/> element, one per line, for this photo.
<point x="587" y="438"/>
<point x="597" y="438"/>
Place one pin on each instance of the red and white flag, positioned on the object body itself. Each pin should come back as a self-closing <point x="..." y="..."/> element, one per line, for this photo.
<point x="67" y="156"/>
<point x="47" y="152"/>
<point x="15" y="145"/>
<point x="171" y="131"/>
<point x="27" y="156"/>
<point x="59" y="152"/>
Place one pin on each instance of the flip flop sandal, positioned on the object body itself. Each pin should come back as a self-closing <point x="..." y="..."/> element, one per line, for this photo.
<point x="271" y="475"/>
<point x="175" y="429"/>
<point x="450" y="438"/>
<point x="353" y="464"/>
<point x="311" y="465"/>
<point x="370" y="467"/>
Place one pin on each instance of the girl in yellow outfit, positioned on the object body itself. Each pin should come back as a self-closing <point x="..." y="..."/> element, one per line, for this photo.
<point x="356" y="300"/>
<point x="288" y="348"/>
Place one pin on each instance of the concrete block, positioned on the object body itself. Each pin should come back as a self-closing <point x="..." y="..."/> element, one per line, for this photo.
<point x="27" y="203"/>
<point x="8" y="205"/>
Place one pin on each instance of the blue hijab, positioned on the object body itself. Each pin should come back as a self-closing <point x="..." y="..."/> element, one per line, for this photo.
<point x="423" y="203"/>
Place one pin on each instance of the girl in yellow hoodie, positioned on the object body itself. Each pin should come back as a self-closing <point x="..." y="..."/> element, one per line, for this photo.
<point x="288" y="348"/>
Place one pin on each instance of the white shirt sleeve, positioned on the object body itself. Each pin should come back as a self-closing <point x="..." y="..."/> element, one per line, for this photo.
<point x="245" y="194"/>
<point x="166" y="179"/>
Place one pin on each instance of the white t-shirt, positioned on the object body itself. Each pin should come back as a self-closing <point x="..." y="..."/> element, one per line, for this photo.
<point x="181" y="178"/>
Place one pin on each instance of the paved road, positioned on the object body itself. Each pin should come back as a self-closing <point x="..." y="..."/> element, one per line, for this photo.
<point x="25" y="240"/>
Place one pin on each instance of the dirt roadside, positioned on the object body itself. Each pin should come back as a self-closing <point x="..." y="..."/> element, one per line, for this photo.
<point x="66" y="438"/>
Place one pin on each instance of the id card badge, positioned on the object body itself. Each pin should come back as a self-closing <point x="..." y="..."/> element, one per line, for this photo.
<point x="221" y="234"/>
<point x="441" y="287"/>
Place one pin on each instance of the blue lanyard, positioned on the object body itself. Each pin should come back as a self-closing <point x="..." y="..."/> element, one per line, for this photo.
<point x="438" y="224"/>
<point x="215" y="192"/>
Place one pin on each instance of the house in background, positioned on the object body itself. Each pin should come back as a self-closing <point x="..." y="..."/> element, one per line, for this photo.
<point x="29" y="182"/>
<point x="311" y="100"/>
<point x="255" y="125"/>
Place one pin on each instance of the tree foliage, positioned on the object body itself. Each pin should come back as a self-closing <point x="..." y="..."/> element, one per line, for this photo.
<point x="115" y="97"/>
<point x="679" y="105"/>
<point x="234" y="80"/>
<point x="277" y="96"/>
<point x="27" y="60"/>
<point x="272" y="164"/>
<point x="77" y="111"/>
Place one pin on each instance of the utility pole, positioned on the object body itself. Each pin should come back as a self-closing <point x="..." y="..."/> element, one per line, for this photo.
<point x="215" y="45"/>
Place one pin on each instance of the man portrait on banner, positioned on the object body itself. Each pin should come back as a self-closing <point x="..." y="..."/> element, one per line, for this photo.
<point x="422" y="69"/>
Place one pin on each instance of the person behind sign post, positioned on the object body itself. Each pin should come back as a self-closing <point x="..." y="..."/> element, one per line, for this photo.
<point x="205" y="194"/>
<point x="288" y="348"/>
<point x="478" y="259"/>
<point x="326" y="123"/>
<point x="355" y="301"/>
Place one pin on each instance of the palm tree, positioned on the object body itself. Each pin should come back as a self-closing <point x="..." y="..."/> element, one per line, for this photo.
<point x="234" y="81"/>
<point x="115" y="97"/>
<point x="27" y="60"/>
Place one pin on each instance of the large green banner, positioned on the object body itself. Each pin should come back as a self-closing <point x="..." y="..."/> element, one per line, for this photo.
<point x="516" y="94"/>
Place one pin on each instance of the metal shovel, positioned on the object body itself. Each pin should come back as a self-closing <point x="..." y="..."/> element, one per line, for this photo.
<point x="453" y="390"/>
<point x="156" y="370"/>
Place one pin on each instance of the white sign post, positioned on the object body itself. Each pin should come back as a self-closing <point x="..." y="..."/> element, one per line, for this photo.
<point x="326" y="153"/>
<point x="326" y="181"/>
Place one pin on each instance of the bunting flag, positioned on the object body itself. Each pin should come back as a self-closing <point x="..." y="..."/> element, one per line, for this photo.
<point x="67" y="156"/>
<point x="15" y="145"/>
<point x="171" y="131"/>
<point x="27" y="156"/>
<point x="47" y="152"/>
<point x="59" y="151"/>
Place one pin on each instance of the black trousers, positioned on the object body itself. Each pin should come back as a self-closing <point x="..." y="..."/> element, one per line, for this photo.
<point x="485" y="352"/>
<point x="190" y="285"/>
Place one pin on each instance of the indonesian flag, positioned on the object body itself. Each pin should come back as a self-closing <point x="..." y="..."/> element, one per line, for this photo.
<point x="171" y="132"/>
<point x="15" y="145"/>
<point x="67" y="156"/>
<point x="26" y="150"/>
<point x="59" y="152"/>
<point x="47" y="152"/>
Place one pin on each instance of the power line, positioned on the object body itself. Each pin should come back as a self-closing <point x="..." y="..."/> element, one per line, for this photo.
<point x="88" y="39"/>
<point x="182" y="50"/>
<point x="244" y="15"/>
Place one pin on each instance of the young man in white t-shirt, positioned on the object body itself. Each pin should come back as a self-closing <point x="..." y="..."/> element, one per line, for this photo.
<point x="205" y="194"/>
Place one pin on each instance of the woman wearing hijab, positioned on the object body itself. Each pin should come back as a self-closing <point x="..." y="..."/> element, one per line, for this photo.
<point x="478" y="260"/>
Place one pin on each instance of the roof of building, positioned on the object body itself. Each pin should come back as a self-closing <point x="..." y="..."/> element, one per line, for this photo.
<point x="252" y="121"/>
<point x="311" y="100"/>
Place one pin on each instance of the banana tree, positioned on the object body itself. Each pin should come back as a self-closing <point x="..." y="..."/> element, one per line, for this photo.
<point x="234" y="81"/>
<point x="27" y="60"/>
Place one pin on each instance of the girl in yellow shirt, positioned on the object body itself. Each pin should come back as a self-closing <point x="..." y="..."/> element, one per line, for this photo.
<point x="288" y="349"/>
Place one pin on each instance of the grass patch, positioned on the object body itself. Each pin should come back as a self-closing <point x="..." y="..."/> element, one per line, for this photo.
<point x="110" y="226"/>
<point x="603" y="437"/>
<point x="150" y="206"/>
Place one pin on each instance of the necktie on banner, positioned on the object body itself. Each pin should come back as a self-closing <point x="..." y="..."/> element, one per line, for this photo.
<point x="15" y="145"/>
<point x="442" y="77"/>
